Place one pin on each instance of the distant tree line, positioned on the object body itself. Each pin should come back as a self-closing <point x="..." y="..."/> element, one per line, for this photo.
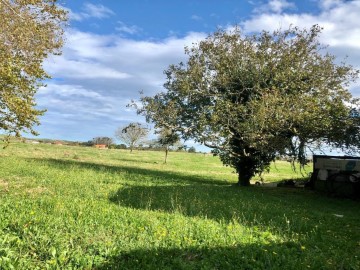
<point x="164" y="142"/>
<point x="134" y="136"/>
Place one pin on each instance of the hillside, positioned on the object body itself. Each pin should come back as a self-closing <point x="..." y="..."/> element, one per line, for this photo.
<point x="65" y="207"/>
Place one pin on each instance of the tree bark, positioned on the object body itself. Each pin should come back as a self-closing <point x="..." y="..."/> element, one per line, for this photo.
<point x="243" y="179"/>
<point x="244" y="168"/>
<point x="166" y="154"/>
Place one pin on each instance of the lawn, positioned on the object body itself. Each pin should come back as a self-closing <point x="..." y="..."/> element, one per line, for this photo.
<point x="67" y="207"/>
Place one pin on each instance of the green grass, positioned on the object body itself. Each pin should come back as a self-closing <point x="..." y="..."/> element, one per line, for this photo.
<point x="67" y="207"/>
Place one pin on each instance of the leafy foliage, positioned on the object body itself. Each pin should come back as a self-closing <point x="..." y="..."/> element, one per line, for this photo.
<point x="251" y="98"/>
<point x="30" y="32"/>
<point x="132" y="135"/>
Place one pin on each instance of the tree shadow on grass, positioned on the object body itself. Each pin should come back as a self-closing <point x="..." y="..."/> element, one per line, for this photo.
<point x="287" y="255"/>
<point x="193" y="195"/>
<point x="288" y="214"/>
<point x="281" y="211"/>
<point x="155" y="176"/>
<point x="251" y="206"/>
<point x="285" y="212"/>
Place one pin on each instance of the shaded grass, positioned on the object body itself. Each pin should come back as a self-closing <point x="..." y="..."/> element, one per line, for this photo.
<point x="81" y="208"/>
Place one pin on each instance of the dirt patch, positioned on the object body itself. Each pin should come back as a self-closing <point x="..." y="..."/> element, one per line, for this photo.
<point x="4" y="186"/>
<point x="37" y="190"/>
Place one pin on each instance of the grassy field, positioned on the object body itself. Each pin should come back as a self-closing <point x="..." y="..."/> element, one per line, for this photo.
<point x="67" y="207"/>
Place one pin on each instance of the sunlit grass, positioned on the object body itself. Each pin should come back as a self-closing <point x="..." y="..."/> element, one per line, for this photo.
<point x="67" y="207"/>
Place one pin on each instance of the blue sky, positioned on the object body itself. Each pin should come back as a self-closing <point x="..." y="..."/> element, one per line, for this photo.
<point x="114" y="49"/>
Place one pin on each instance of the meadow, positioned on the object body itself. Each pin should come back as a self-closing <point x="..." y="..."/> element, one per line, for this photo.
<point x="68" y="207"/>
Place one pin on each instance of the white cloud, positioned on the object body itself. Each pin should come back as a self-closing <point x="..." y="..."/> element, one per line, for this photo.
<point x="275" y="6"/>
<point x="340" y="22"/>
<point x="65" y="90"/>
<point x="86" y="45"/>
<point x="100" y="74"/>
<point x="75" y="101"/>
<point x="90" y="11"/>
<point x="82" y="57"/>
<point x="90" y="56"/>
<point x="97" y="11"/>
<point x="73" y="16"/>
<point x="341" y="29"/>
<point x="128" y="29"/>
<point x="83" y="69"/>
<point x="328" y="4"/>
<point x="196" y="18"/>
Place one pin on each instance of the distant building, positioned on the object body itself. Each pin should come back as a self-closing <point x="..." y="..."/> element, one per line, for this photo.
<point x="101" y="146"/>
<point x="58" y="143"/>
<point x="31" y="141"/>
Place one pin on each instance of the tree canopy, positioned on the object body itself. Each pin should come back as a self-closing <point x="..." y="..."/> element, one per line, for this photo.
<point x="251" y="98"/>
<point x="30" y="31"/>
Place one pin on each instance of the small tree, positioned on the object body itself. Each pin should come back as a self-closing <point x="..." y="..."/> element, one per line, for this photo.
<point x="251" y="98"/>
<point x="192" y="149"/>
<point x="167" y="139"/>
<point x="132" y="135"/>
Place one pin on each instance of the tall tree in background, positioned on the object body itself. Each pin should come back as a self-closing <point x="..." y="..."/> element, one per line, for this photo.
<point x="30" y="31"/>
<point x="132" y="135"/>
<point x="251" y="98"/>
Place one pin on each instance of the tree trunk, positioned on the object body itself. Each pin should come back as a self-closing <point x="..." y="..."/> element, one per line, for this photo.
<point x="243" y="179"/>
<point x="244" y="169"/>
<point x="166" y="154"/>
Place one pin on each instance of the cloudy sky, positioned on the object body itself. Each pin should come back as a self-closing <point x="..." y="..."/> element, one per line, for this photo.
<point x="114" y="49"/>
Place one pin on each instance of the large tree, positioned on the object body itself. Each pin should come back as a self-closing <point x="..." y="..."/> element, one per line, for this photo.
<point x="251" y="98"/>
<point x="132" y="134"/>
<point x="30" y="31"/>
